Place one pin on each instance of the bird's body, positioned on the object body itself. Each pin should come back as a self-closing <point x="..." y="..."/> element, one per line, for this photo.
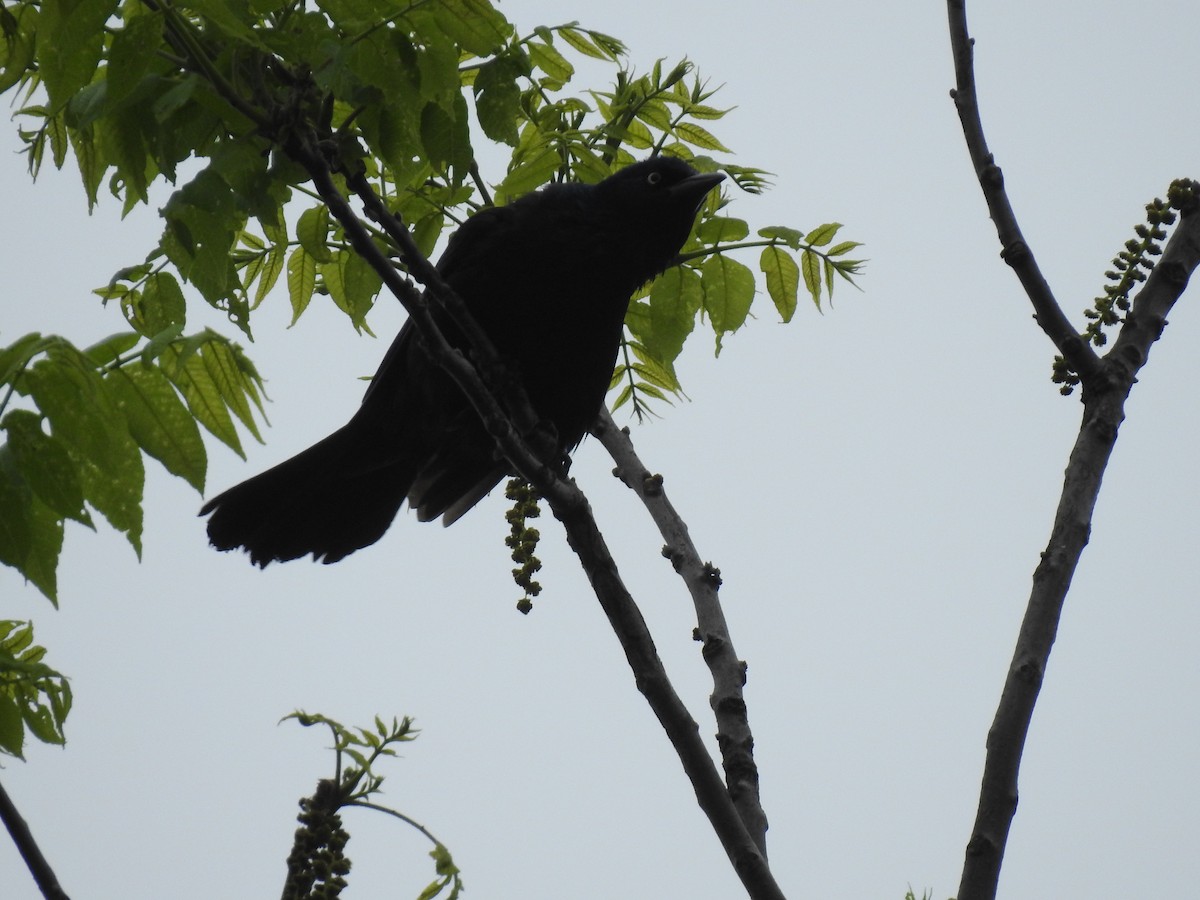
<point x="548" y="278"/>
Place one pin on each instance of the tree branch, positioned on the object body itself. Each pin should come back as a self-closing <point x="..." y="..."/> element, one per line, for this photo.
<point x="1103" y="411"/>
<point x="1014" y="250"/>
<point x="1107" y="382"/>
<point x="703" y="580"/>
<point x="47" y="881"/>
<point x="566" y="501"/>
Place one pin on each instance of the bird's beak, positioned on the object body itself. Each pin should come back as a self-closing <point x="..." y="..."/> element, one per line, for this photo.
<point x="695" y="188"/>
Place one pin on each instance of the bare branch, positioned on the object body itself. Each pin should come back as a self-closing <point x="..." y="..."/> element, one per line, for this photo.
<point x="1107" y="383"/>
<point x="1014" y="250"/>
<point x="703" y="581"/>
<point x="1103" y="411"/>
<point x="43" y="875"/>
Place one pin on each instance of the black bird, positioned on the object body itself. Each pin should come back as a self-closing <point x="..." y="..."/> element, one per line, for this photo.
<point x="548" y="278"/>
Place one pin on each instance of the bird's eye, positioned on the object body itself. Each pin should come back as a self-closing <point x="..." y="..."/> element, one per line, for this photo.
<point x="654" y="178"/>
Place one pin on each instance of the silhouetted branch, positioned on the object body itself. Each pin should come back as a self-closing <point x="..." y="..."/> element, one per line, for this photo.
<point x="703" y="581"/>
<point x="1107" y="382"/>
<point x="47" y="881"/>
<point x="1014" y="250"/>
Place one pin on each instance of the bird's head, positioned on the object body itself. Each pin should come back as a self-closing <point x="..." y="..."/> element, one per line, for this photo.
<point x="657" y="201"/>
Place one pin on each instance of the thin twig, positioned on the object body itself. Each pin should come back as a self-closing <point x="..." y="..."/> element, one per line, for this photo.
<point x="703" y="581"/>
<point x="367" y="804"/>
<point x="1014" y="250"/>
<point x="47" y="881"/>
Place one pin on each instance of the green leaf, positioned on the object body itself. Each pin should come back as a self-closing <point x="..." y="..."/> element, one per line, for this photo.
<point x="550" y="61"/>
<point x="273" y="264"/>
<point x="121" y="141"/>
<point x="159" y="421"/>
<point x="70" y="44"/>
<point x="17" y="356"/>
<point x="675" y="298"/>
<point x="30" y="532"/>
<point x="41" y="566"/>
<point x="822" y="234"/>
<point x="475" y="25"/>
<point x="656" y="114"/>
<point x="843" y="247"/>
<point x="700" y="111"/>
<point x="40" y="696"/>
<point x="789" y="236"/>
<point x="810" y="265"/>
<point x="312" y="231"/>
<point x="161" y="305"/>
<point x="188" y="372"/>
<point x="783" y="279"/>
<point x="235" y="385"/>
<point x="204" y="220"/>
<point x="722" y="229"/>
<point x="498" y="96"/>
<point x="84" y="415"/>
<point x="133" y="49"/>
<point x="445" y="137"/>
<point x="585" y="43"/>
<point x="699" y="137"/>
<point x="45" y="465"/>
<point x="654" y="371"/>
<point x="17" y="49"/>
<point x="16" y="527"/>
<point x="531" y="173"/>
<point x="107" y="351"/>
<point x="12" y="728"/>
<point x="92" y="165"/>
<point x="623" y="397"/>
<point x="302" y="281"/>
<point x="352" y="284"/>
<point x="728" y="293"/>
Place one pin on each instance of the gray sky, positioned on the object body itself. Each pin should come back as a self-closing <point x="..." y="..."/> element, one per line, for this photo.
<point x="875" y="484"/>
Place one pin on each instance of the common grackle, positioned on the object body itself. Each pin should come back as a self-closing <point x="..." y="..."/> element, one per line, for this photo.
<point x="548" y="278"/>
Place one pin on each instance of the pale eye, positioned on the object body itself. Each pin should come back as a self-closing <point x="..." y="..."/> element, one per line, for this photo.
<point x="654" y="178"/>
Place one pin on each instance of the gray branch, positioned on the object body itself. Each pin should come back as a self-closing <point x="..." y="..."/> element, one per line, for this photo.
<point x="703" y="581"/>
<point x="1014" y="250"/>
<point x="39" y="867"/>
<point x="1107" y="382"/>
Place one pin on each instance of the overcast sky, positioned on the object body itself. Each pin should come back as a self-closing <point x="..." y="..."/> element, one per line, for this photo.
<point x="875" y="484"/>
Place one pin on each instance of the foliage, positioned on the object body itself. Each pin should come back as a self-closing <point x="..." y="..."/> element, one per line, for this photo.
<point x="32" y="695"/>
<point x="1130" y="267"/>
<point x="106" y="405"/>
<point x="208" y="99"/>
<point x="317" y="865"/>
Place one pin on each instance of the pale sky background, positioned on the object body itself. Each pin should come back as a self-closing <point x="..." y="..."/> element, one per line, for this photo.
<point x="875" y="484"/>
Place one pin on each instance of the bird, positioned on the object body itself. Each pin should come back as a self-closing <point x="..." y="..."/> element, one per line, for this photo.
<point x="548" y="278"/>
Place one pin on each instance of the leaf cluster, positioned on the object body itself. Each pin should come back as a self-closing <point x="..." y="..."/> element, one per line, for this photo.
<point x="77" y="423"/>
<point x="317" y="865"/>
<point x="1130" y="267"/>
<point x="33" y="696"/>
<point x="203" y="102"/>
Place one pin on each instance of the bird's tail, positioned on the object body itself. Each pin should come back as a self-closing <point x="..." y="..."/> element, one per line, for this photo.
<point x="338" y="496"/>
